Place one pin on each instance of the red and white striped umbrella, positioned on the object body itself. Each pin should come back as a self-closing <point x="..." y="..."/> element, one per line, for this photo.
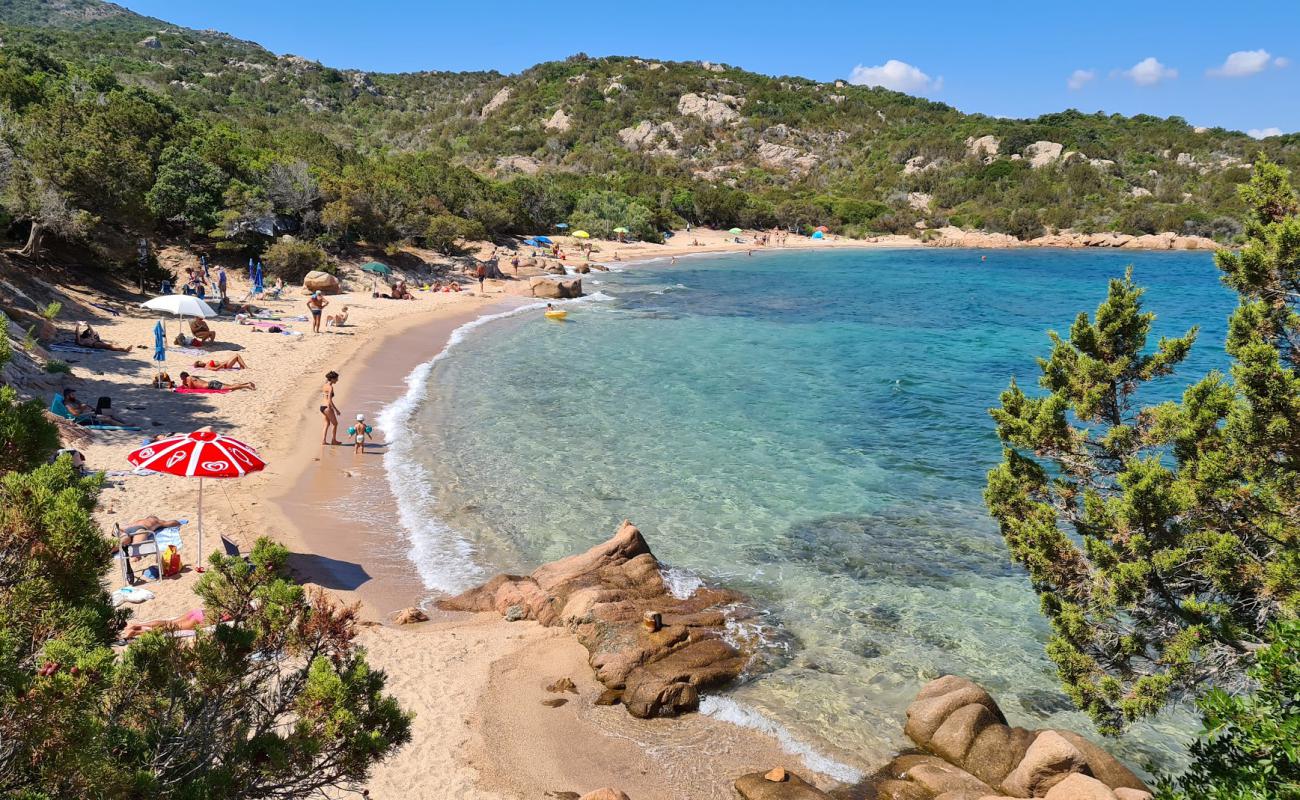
<point x="202" y="454"/>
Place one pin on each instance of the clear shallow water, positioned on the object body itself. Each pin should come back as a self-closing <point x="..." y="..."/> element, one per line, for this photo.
<point x="808" y="428"/>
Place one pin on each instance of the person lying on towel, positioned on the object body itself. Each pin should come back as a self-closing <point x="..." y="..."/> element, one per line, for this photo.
<point x="188" y="381"/>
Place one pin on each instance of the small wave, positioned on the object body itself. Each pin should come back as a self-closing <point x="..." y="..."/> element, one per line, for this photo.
<point x="728" y="710"/>
<point x="681" y="584"/>
<point x="443" y="559"/>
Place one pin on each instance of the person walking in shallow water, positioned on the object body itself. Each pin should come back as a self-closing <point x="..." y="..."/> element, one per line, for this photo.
<point x="330" y="411"/>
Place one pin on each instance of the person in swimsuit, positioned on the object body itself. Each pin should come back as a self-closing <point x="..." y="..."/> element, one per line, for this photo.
<point x="189" y="621"/>
<point x="234" y="362"/>
<point x="329" y="410"/>
<point x="140" y="530"/>
<point x="90" y="338"/>
<point x="316" y="304"/>
<point x="190" y="382"/>
<point x="359" y="435"/>
<point x="202" y="331"/>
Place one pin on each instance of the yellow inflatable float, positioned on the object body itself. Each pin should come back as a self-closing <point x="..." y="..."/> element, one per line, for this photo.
<point x="556" y="313"/>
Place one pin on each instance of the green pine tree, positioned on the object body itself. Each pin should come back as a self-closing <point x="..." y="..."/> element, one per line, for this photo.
<point x="1163" y="540"/>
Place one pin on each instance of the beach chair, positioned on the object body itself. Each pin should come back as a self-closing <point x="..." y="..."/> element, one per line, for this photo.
<point x="138" y="550"/>
<point x="59" y="408"/>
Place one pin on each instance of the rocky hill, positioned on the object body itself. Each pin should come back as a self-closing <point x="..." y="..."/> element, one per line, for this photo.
<point x="693" y="141"/>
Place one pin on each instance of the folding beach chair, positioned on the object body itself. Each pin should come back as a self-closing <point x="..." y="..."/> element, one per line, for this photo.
<point x="139" y="549"/>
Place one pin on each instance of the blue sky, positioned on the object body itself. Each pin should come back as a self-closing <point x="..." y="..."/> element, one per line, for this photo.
<point x="1163" y="58"/>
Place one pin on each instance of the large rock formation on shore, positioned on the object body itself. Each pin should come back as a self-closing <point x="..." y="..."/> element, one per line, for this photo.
<point x="654" y="651"/>
<point x="952" y="236"/>
<point x="322" y="282"/>
<point x="972" y="752"/>
<point x="555" y="290"/>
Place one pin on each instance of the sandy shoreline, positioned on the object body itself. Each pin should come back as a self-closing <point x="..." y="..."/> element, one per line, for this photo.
<point x="475" y="684"/>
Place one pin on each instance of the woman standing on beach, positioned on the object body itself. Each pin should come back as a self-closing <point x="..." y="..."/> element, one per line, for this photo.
<point x="329" y="410"/>
<point x="316" y="304"/>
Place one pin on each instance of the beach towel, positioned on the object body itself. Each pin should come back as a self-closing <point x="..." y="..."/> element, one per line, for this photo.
<point x="186" y="390"/>
<point x="189" y="351"/>
<point x="60" y="347"/>
<point x="122" y="473"/>
<point x="111" y="428"/>
<point x="169" y="536"/>
<point x="112" y="311"/>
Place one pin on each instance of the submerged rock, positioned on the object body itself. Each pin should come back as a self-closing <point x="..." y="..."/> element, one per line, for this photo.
<point x="603" y="596"/>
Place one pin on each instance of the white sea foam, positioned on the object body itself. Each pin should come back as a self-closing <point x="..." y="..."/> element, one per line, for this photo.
<point x="443" y="558"/>
<point x="728" y="710"/>
<point x="681" y="584"/>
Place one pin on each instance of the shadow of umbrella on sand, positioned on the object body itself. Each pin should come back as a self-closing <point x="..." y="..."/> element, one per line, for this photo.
<point x="202" y="454"/>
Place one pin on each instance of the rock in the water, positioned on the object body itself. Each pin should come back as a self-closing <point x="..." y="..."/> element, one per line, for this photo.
<point x="1047" y="762"/>
<point x="1080" y="787"/>
<point x="757" y="786"/>
<point x="555" y="290"/>
<point x="1125" y="793"/>
<point x="408" y="616"/>
<point x="322" y="282"/>
<point x="603" y="595"/>
<point x="605" y="794"/>
<point x="582" y="269"/>
<point x="610" y="697"/>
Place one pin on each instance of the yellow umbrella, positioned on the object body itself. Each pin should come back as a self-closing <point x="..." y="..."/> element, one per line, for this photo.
<point x="582" y="234"/>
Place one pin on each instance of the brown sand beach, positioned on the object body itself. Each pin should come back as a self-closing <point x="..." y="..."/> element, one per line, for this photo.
<point x="475" y="682"/>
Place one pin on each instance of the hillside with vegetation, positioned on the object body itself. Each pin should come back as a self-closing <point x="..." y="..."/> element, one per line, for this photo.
<point x="119" y="126"/>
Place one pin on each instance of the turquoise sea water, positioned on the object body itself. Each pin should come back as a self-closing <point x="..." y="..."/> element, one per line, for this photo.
<point x="808" y="428"/>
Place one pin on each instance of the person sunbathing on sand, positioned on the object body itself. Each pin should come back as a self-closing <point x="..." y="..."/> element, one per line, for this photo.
<point x="190" y="382"/>
<point x="201" y="331"/>
<point x="141" y="529"/>
<point x="189" y="621"/>
<point x="337" y="320"/>
<point x="89" y="338"/>
<point x="234" y="362"/>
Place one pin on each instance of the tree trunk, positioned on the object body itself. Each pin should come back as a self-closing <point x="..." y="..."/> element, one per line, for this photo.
<point x="33" y="246"/>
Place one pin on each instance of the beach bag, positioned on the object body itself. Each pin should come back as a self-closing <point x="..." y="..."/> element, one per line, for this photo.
<point x="171" y="561"/>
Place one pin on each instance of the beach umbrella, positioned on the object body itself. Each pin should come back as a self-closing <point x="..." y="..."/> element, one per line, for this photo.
<point x="202" y="454"/>
<point x="543" y="240"/>
<point x="736" y="231"/>
<point x="620" y="230"/>
<point x="818" y="235"/>
<point x="582" y="234"/>
<point x="182" y="305"/>
<point x="823" y="229"/>
<point x="257" y="279"/>
<point x="375" y="266"/>
<point x="159" y="345"/>
<point x="562" y="225"/>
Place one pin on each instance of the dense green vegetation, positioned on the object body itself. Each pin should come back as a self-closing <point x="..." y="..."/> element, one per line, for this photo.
<point x="120" y="125"/>
<point x="1164" y="541"/>
<point x="276" y="702"/>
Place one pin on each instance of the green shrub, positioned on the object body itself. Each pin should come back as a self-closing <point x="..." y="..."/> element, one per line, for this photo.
<point x="446" y="233"/>
<point x="292" y="259"/>
<point x="56" y="367"/>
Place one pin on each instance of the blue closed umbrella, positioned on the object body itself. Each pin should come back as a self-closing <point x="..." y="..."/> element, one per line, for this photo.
<point x="257" y="279"/>
<point x="159" y="344"/>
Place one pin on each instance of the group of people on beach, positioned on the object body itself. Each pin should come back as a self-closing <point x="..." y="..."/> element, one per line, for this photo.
<point x="360" y="432"/>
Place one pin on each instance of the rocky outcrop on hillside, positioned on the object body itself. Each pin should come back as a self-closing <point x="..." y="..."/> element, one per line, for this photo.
<point x="1042" y="154"/>
<point x="559" y="121"/>
<point x="646" y="135"/>
<point x="951" y="236"/>
<point x="499" y="99"/>
<point x="715" y="110"/>
<point x="653" y="650"/>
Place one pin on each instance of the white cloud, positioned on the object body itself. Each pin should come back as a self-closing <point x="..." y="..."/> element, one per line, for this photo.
<point x="1081" y="78"/>
<point x="897" y="75"/>
<point x="1263" y="133"/>
<point x="1281" y="62"/>
<point x="1241" y="64"/>
<point x="1149" y="72"/>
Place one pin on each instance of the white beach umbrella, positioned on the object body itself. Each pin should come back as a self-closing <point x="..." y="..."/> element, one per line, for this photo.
<point x="182" y="305"/>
